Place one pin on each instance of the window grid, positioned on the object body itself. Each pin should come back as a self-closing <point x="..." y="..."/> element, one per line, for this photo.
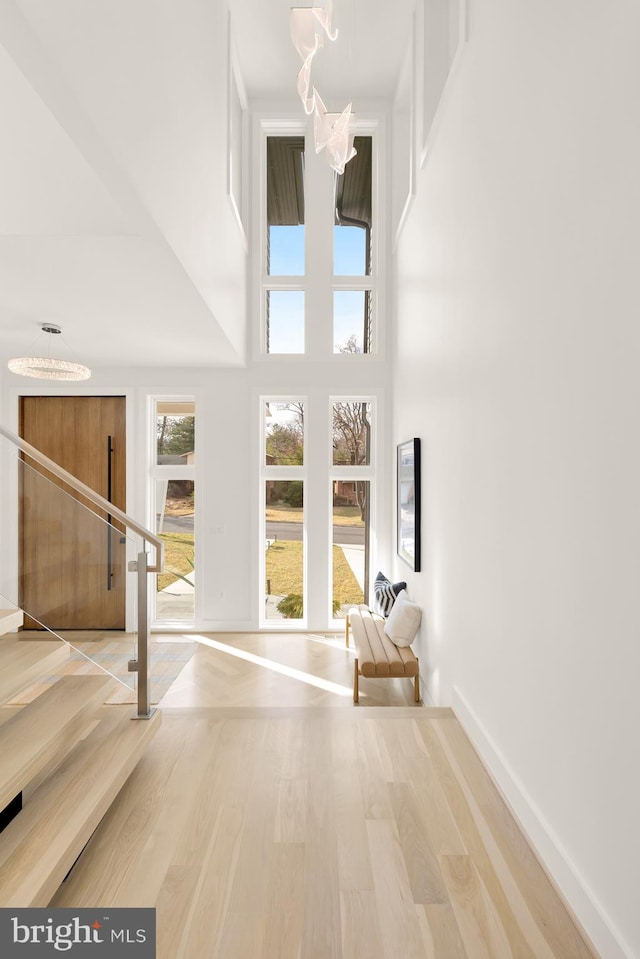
<point x="366" y="282"/>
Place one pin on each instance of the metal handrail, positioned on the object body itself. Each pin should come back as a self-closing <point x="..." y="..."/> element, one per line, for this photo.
<point x="91" y="495"/>
<point x="140" y="665"/>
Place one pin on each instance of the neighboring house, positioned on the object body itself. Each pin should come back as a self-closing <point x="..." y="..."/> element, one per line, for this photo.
<point x="345" y="491"/>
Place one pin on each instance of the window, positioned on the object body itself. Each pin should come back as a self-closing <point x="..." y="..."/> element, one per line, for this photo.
<point x="285" y="321"/>
<point x="285" y="246"/>
<point x="285" y="206"/>
<point x="351" y="491"/>
<point x="284" y="433"/>
<point x="283" y="498"/>
<point x="174" y="506"/>
<point x="175" y="434"/>
<point x="318" y="251"/>
<point x="284" y="549"/>
<point x="353" y="214"/>
<point x="318" y="263"/>
<point x="351" y="433"/>
<point x="351" y="321"/>
<point x="350" y="544"/>
<point x="352" y="253"/>
<point x="328" y="535"/>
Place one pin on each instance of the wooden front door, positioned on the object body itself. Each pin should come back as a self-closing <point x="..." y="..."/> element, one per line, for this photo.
<point x="72" y="564"/>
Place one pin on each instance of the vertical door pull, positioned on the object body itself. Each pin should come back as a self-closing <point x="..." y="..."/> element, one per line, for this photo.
<point x="109" y="468"/>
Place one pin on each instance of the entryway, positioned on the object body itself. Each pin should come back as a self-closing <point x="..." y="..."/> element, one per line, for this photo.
<point x="72" y="563"/>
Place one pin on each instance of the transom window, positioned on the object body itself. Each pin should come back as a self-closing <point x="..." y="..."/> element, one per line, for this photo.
<point x="318" y="256"/>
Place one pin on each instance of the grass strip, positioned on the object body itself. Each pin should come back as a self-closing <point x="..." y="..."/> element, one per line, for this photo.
<point x="284" y="572"/>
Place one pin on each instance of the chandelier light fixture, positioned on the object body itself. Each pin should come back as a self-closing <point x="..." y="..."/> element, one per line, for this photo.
<point x="333" y="131"/>
<point x="49" y="367"/>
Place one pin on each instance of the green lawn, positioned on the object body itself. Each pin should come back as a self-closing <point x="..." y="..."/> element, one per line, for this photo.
<point x="342" y="515"/>
<point x="283" y="567"/>
<point x="178" y="557"/>
<point x="284" y="570"/>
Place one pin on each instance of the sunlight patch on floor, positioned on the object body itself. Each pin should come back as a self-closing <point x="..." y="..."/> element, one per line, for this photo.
<point x="274" y="667"/>
<point x="336" y="642"/>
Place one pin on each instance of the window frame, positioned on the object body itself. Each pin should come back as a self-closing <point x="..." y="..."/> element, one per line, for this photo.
<point x="276" y="472"/>
<point x="167" y="473"/>
<point x="314" y="286"/>
<point x="347" y="473"/>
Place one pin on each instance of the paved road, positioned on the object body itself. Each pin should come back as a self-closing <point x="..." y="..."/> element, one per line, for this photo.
<point x="345" y="535"/>
<point x="178" y="524"/>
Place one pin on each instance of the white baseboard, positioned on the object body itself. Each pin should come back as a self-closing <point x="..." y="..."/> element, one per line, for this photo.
<point x="425" y="692"/>
<point x="572" y="887"/>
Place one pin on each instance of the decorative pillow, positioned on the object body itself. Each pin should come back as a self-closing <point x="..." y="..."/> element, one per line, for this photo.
<point x="385" y="593"/>
<point x="404" y="621"/>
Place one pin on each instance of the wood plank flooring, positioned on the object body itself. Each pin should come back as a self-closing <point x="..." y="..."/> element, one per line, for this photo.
<point x="272" y="819"/>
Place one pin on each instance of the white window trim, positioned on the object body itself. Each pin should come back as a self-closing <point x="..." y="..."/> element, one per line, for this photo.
<point x="346" y="473"/>
<point x="270" y="472"/>
<point x="157" y="472"/>
<point x="264" y="127"/>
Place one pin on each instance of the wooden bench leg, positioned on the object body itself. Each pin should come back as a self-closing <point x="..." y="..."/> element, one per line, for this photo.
<point x="346" y="631"/>
<point x="416" y="685"/>
<point x="355" y="681"/>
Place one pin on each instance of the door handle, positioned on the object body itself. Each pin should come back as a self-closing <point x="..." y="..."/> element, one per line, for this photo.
<point x="109" y="480"/>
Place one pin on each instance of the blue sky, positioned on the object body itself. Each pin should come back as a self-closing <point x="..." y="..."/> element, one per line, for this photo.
<point x="286" y="308"/>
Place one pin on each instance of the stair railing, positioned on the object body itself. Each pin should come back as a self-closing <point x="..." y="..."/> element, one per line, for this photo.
<point x="140" y="565"/>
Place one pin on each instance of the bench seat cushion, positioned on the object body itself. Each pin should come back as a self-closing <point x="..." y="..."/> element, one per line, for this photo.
<point x="377" y="655"/>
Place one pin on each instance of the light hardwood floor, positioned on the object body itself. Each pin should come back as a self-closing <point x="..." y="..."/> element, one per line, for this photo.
<point x="272" y="819"/>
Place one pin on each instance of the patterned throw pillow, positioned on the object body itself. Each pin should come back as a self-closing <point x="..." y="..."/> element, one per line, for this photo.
<point x="385" y="593"/>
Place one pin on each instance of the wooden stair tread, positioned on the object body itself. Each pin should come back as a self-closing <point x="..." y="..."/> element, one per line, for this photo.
<point x="29" y="738"/>
<point x="10" y="619"/>
<point x="39" y="847"/>
<point x="23" y="662"/>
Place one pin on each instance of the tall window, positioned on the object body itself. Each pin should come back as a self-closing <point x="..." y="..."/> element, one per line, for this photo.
<point x="351" y="489"/>
<point x="174" y="507"/>
<point x="318" y="255"/>
<point x="285" y="246"/>
<point x="329" y="537"/>
<point x="352" y="254"/>
<point x="283" y="498"/>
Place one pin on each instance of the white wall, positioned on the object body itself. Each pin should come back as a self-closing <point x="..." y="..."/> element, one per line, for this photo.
<point x="229" y="508"/>
<point x="517" y="364"/>
<point x="141" y="89"/>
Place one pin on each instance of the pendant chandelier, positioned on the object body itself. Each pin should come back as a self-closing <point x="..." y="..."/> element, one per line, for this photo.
<point x="49" y="367"/>
<point x="310" y="26"/>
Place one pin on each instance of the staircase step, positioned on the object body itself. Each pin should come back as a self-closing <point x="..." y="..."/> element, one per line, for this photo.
<point x="22" y="662"/>
<point x="43" y="728"/>
<point x="39" y="847"/>
<point x="10" y="619"/>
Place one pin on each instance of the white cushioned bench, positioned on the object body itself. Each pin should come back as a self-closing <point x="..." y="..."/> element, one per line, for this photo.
<point x="376" y="655"/>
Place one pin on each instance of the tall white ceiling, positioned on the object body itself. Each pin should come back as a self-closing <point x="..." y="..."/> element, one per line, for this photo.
<point x="114" y="217"/>
<point x="363" y="62"/>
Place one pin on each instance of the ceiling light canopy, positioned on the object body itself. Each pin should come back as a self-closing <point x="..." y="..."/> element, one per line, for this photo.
<point x="49" y="367"/>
